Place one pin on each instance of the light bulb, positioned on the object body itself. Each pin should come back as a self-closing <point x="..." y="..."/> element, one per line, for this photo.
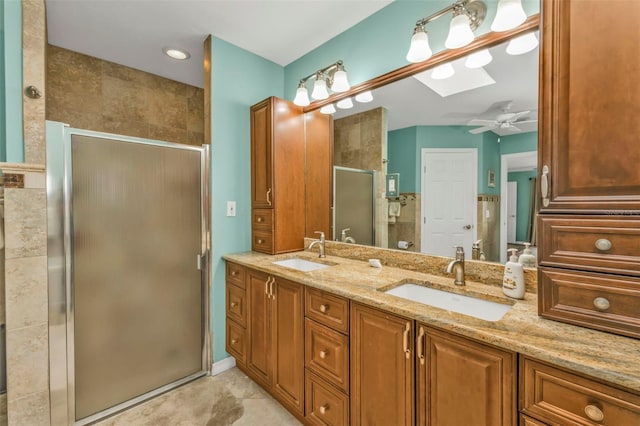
<point x="364" y="97"/>
<point x="442" y="71"/>
<point x="523" y="44"/>
<point x="340" y="82"/>
<point x="328" y="109"/>
<point x="509" y="15"/>
<point x="320" y="89"/>
<point x="419" y="50"/>
<point x="478" y="59"/>
<point x="460" y="33"/>
<point x="345" y="103"/>
<point x="302" y="96"/>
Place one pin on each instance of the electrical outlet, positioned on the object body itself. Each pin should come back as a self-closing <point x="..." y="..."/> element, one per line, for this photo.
<point x="231" y="208"/>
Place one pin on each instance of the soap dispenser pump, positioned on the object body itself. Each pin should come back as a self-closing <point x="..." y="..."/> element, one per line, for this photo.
<point x="513" y="280"/>
<point x="527" y="258"/>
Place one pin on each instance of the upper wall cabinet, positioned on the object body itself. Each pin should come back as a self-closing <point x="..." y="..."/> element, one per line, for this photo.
<point x="589" y="106"/>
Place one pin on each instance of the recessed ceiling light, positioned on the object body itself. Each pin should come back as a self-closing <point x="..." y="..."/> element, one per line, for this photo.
<point x="174" y="53"/>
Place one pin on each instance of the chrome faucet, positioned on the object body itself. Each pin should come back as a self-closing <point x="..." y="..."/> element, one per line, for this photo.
<point x="319" y="243"/>
<point x="344" y="238"/>
<point x="457" y="265"/>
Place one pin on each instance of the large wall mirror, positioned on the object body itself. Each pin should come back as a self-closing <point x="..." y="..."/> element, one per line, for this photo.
<point x="459" y="154"/>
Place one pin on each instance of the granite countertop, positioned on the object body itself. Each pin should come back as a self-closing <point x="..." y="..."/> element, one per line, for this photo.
<point x="608" y="357"/>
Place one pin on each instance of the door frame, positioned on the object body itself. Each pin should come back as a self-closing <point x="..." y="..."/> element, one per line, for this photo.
<point x="474" y="215"/>
<point x="59" y="242"/>
<point x="505" y="159"/>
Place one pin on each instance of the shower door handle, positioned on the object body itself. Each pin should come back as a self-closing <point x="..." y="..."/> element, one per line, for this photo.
<point x="201" y="260"/>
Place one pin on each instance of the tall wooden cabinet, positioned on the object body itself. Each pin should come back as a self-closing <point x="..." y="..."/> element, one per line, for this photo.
<point x="589" y="154"/>
<point x="285" y="160"/>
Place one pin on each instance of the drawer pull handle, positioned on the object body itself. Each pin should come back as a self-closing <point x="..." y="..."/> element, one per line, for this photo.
<point x="259" y="219"/>
<point x="420" y="344"/>
<point x="594" y="413"/>
<point x="324" y="308"/>
<point x="234" y="341"/>
<point x="603" y="244"/>
<point x="405" y="341"/>
<point x="601" y="303"/>
<point x="323" y="354"/>
<point x="234" y="304"/>
<point x="323" y="408"/>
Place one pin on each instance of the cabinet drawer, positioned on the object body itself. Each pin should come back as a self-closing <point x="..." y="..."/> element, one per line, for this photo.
<point x="327" y="309"/>
<point x="236" y="304"/>
<point x="528" y="421"/>
<point x="597" y="301"/>
<point x="262" y="219"/>
<point x="597" y="243"/>
<point x="325" y="405"/>
<point x="262" y="241"/>
<point x="235" y="274"/>
<point x="236" y="341"/>
<point x="327" y="354"/>
<point x="562" y="398"/>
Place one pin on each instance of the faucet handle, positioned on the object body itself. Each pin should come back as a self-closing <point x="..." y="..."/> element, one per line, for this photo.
<point x="321" y="235"/>
<point x="459" y="252"/>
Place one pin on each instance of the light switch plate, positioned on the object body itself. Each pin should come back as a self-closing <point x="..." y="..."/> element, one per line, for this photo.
<point x="231" y="208"/>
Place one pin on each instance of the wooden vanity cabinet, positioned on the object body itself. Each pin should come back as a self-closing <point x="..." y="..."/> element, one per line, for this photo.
<point x="589" y="178"/>
<point x="236" y="313"/>
<point x="382" y="368"/>
<point x="277" y="176"/>
<point x="275" y="343"/>
<point x="463" y="382"/>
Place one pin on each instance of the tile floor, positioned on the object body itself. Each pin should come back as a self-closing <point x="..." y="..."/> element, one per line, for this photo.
<point x="230" y="398"/>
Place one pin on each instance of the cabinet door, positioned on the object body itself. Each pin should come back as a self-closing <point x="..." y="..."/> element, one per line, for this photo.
<point x="288" y="343"/>
<point x="261" y="154"/>
<point x="462" y="382"/>
<point x="590" y="131"/>
<point x="259" y="327"/>
<point x="381" y="368"/>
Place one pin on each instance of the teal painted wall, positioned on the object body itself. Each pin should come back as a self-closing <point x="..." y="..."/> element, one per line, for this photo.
<point x="522" y="142"/>
<point x="401" y="153"/>
<point x="11" y="141"/>
<point x="239" y="79"/>
<point x="379" y="43"/>
<point x="524" y="201"/>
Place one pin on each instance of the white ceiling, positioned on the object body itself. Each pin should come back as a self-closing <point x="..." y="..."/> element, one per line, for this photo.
<point x="133" y="32"/>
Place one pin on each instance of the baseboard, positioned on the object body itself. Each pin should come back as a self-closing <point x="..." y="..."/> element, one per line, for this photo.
<point x="223" y="365"/>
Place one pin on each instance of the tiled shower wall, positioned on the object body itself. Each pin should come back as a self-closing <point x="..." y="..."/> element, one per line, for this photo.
<point x="89" y="93"/>
<point x="360" y="142"/>
<point x="407" y="225"/>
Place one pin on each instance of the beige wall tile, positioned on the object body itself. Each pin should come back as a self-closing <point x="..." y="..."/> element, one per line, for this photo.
<point x="195" y="114"/>
<point x="169" y="134"/>
<point x="25" y="223"/>
<point x="3" y="409"/>
<point x="139" y="129"/>
<point x="195" y="138"/>
<point x="32" y="410"/>
<point x="167" y="109"/>
<point x="123" y="100"/>
<point x="27" y="361"/>
<point x="26" y="292"/>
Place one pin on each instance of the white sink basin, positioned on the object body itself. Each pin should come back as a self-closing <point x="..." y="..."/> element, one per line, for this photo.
<point x="301" y="264"/>
<point x="478" y="308"/>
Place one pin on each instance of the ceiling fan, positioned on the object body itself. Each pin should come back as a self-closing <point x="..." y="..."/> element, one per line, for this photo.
<point x="506" y="121"/>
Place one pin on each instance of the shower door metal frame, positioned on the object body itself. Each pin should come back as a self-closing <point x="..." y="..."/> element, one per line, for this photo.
<point x="59" y="250"/>
<point x="373" y="174"/>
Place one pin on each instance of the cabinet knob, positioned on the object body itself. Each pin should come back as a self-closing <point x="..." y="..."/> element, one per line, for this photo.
<point x="594" y="413"/>
<point x="603" y="244"/>
<point x="234" y="273"/>
<point x="259" y="219"/>
<point x="234" y="304"/>
<point x="323" y="408"/>
<point x="601" y="303"/>
<point x="323" y="354"/>
<point x="260" y="241"/>
<point x="234" y="341"/>
<point x="324" y="308"/>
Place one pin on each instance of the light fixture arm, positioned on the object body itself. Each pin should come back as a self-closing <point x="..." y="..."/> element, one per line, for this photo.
<point x="324" y="71"/>
<point x="476" y="10"/>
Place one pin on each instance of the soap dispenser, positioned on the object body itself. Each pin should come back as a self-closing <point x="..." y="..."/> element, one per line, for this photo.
<point x="527" y="257"/>
<point x="513" y="280"/>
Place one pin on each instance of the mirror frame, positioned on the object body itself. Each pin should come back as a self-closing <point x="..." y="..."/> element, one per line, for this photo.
<point x="484" y="41"/>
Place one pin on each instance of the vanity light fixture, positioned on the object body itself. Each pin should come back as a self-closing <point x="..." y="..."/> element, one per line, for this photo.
<point x="333" y="76"/>
<point x="175" y="53"/>
<point x="345" y="103"/>
<point x="509" y="15"/>
<point x="328" y="109"/>
<point x="467" y="16"/>
<point x="364" y="97"/>
<point x="478" y="59"/>
<point x="523" y="44"/>
<point x="443" y="71"/>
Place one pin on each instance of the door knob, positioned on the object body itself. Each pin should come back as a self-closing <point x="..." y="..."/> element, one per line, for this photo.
<point x="467" y="227"/>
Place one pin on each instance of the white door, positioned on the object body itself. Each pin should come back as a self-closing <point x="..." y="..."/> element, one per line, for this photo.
<point x="512" y="210"/>
<point x="449" y="200"/>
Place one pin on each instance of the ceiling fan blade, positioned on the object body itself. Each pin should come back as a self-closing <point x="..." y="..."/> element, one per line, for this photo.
<point x="514" y="128"/>
<point x="479" y="122"/>
<point x="517" y="115"/>
<point x="481" y="129"/>
<point x="525" y="121"/>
